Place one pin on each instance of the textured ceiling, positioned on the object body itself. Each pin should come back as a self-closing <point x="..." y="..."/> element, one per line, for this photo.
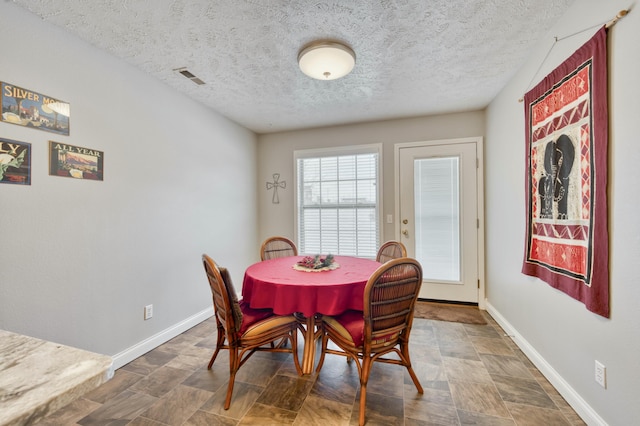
<point x="413" y="57"/>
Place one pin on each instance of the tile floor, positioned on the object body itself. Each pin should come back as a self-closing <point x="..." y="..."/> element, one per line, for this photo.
<point x="471" y="374"/>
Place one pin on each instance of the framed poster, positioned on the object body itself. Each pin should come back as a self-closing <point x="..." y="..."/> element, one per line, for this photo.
<point x="75" y="161"/>
<point x="566" y="131"/>
<point x="15" y="162"/>
<point x="31" y="109"/>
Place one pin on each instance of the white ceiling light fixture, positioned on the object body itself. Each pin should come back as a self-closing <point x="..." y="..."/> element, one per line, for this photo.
<point x="326" y="60"/>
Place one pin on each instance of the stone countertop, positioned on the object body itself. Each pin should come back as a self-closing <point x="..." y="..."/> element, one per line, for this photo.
<point x="38" y="377"/>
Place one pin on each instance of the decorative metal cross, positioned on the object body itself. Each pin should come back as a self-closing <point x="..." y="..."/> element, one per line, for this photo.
<point x="275" y="185"/>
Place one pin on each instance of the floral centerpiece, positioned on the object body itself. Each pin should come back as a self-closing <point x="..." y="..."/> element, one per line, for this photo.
<point x="316" y="263"/>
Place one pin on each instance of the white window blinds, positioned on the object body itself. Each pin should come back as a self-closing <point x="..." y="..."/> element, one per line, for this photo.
<point x="437" y="216"/>
<point x="338" y="197"/>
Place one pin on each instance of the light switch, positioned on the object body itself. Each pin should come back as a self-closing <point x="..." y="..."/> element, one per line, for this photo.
<point x="389" y="218"/>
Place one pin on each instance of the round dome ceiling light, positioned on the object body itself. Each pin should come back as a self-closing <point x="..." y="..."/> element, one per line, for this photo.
<point x="326" y="60"/>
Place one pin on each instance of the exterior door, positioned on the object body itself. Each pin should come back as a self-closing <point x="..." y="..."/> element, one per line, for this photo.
<point x="438" y="214"/>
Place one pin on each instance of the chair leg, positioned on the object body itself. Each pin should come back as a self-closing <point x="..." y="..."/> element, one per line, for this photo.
<point x="213" y="358"/>
<point x="219" y="345"/>
<point x="415" y="379"/>
<point x="294" y="350"/>
<point x="234" y="360"/>
<point x="325" y="339"/>
<point x="301" y="322"/>
<point x="364" y="378"/>
<point x="404" y="349"/>
<point x="282" y="343"/>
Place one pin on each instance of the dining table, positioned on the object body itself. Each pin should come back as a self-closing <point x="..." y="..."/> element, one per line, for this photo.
<point x="286" y="288"/>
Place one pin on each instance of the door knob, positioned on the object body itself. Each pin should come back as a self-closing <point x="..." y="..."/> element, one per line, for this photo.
<point x="405" y="221"/>
<point x="405" y="233"/>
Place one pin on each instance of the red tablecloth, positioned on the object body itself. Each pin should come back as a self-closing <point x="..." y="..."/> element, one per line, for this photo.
<point x="275" y="284"/>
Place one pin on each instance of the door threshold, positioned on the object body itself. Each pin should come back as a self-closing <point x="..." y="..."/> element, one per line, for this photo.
<point x="448" y="302"/>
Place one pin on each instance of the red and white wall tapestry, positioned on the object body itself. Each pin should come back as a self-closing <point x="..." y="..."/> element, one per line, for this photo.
<point x="566" y="177"/>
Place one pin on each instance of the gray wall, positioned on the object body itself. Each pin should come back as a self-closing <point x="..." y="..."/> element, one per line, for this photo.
<point x="275" y="153"/>
<point x="565" y="338"/>
<point x="80" y="259"/>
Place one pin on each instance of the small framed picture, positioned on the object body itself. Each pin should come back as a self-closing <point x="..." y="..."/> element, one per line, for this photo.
<point x="75" y="161"/>
<point x="27" y="108"/>
<point x="15" y="162"/>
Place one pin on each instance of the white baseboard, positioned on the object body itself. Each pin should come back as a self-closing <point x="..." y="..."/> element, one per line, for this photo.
<point x="574" y="399"/>
<point x="156" y="340"/>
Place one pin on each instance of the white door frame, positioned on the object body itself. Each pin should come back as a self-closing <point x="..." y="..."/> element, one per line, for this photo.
<point x="478" y="140"/>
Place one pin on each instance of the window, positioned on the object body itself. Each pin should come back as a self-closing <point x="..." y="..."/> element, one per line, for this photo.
<point x="338" y="201"/>
<point x="437" y="217"/>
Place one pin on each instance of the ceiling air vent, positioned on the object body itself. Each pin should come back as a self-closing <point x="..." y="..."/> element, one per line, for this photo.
<point x="185" y="72"/>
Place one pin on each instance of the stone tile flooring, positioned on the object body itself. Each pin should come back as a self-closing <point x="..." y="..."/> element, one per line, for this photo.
<point x="471" y="374"/>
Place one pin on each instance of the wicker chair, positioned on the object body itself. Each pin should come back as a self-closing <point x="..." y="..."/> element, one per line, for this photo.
<point x="391" y="250"/>
<point x="382" y="328"/>
<point x="276" y="247"/>
<point x="245" y="330"/>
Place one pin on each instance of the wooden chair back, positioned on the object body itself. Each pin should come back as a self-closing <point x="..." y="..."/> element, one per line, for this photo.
<point x="389" y="300"/>
<point x="276" y="247"/>
<point x="221" y="298"/>
<point x="391" y="250"/>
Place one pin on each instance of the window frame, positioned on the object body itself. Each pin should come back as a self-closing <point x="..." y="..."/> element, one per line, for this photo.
<point x="337" y="152"/>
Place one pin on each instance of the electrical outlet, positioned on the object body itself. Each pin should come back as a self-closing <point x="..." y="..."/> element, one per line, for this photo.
<point x="148" y="312"/>
<point x="601" y="374"/>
